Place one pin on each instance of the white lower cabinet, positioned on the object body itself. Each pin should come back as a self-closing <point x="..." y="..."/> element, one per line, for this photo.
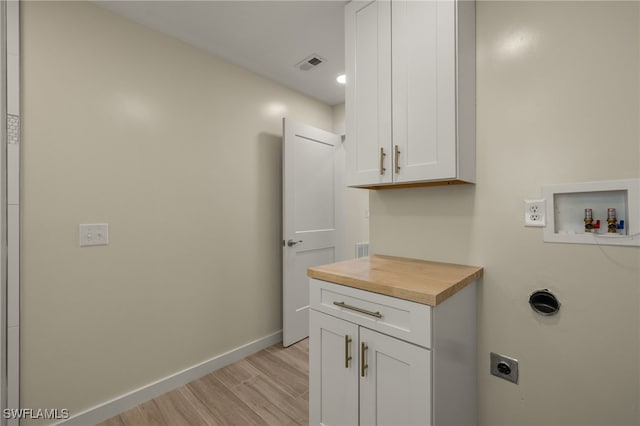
<point x="360" y="376"/>
<point x="333" y="370"/>
<point x="372" y="362"/>
<point x="395" y="387"/>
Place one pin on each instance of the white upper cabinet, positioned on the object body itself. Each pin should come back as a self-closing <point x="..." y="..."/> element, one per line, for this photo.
<point x="368" y="92"/>
<point x="410" y="96"/>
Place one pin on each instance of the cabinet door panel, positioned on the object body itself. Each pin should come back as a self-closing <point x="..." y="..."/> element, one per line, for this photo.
<point x="424" y="92"/>
<point x="368" y="91"/>
<point x="396" y="388"/>
<point x="333" y="385"/>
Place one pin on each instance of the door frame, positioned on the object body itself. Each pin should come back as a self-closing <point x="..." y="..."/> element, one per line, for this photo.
<point x="10" y="208"/>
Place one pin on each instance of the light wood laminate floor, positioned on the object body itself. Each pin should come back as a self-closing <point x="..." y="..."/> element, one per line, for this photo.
<point x="270" y="387"/>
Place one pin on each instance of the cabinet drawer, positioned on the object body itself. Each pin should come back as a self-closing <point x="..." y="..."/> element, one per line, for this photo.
<point x="399" y="318"/>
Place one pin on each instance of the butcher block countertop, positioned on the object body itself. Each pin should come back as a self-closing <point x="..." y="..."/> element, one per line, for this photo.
<point x="421" y="281"/>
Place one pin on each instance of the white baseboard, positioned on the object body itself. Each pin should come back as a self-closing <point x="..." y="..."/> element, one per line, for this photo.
<point x="129" y="400"/>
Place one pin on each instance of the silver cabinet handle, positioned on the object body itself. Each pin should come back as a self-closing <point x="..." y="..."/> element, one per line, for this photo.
<point x="397" y="159"/>
<point x="347" y="357"/>
<point x="363" y="359"/>
<point x="292" y="243"/>
<point x="362" y="311"/>
<point x="382" y="155"/>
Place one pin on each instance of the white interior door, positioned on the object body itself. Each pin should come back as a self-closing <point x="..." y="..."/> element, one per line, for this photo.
<point x="313" y="167"/>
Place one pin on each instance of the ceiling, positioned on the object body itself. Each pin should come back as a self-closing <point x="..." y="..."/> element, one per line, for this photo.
<point x="267" y="37"/>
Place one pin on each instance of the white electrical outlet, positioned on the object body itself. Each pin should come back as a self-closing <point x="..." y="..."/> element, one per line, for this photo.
<point x="535" y="212"/>
<point x="94" y="234"/>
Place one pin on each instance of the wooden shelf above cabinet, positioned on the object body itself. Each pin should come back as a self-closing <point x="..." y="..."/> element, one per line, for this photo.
<point x="415" y="184"/>
<point x="421" y="281"/>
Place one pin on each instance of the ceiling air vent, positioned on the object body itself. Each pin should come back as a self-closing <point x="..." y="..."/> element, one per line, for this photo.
<point x="310" y="62"/>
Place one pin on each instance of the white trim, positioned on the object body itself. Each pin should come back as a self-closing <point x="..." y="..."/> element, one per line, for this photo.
<point x="575" y="235"/>
<point x="129" y="400"/>
<point x="13" y="372"/>
<point x="10" y="206"/>
<point x="3" y="212"/>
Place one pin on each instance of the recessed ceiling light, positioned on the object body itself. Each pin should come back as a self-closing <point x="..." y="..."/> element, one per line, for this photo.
<point x="342" y="79"/>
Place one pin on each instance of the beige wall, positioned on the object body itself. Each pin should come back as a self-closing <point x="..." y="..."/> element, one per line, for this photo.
<point x="356" y="200"/>
<point x="181" y="154"/>
<point x="557" y="102"/>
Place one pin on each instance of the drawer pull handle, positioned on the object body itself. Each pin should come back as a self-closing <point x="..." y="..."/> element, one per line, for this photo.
<point x="362" y="311"/>
<point x="363" y="359"/>
<point x="397" y="159"/>
<point x="382" y="155"/>
<point x="347" y="357"/>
